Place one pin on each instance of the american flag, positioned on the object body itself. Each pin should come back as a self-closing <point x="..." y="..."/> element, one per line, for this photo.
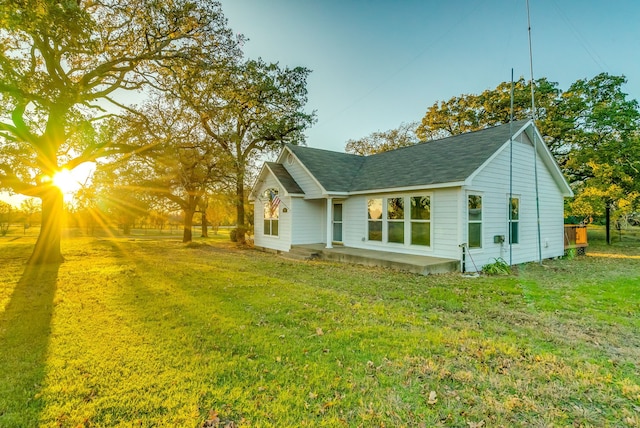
<point x="275" y="201"/>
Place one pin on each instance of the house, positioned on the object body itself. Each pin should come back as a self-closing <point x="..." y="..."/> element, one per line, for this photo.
<point x="448" y="198"/>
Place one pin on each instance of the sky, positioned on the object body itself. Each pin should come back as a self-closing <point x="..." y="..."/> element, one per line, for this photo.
<point x="376" y="64"/>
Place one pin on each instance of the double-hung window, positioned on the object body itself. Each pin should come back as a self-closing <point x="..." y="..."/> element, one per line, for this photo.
<point x="271" y="212"/>
<point x="514" y="220"/>
<point x="395" y="220"/>
<point x="421" y="220"/>
<point x="374" y="215"/>
<point x="474" y="203"/>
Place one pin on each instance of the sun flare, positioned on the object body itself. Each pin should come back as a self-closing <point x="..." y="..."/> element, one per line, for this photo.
<point x="70" y="181"/>
<point x="65" y="181"/>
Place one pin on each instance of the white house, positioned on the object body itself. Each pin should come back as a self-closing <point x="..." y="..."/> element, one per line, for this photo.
<point x="440" y="198"/>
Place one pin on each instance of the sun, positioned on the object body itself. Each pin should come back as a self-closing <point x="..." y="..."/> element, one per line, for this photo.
<point x="65" y="181"/>
<point x="70" y="181"/>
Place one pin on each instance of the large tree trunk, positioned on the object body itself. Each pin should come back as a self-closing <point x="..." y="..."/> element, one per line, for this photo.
<point x="204" y="222"/>
<point x="187" y="234"/>
<point x="47" y="249"/>
<point x="242" y="229"/>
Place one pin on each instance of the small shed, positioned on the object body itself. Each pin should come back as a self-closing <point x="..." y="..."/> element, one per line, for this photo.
<point x="575" y="236"/>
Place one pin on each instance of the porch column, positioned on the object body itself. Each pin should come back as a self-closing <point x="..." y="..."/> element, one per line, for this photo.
<point x="329" y="222"/>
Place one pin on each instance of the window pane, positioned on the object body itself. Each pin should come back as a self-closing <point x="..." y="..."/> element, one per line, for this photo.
<point x="375" y="231"/>
<point x="514" y="233"/>
<point x="395" y="208"/>
<point x="475" y="235"/>
<point x="515" y="208"/>
<point x="475" y="207"/>
<point x="267" y="227"/>
<point x="421" y="208"/>
<point x="337" y="212"/>
<point x="396" y="232"/>
<point x="420" y="233"/>
<point x="374" y="209"/>
<point x="337" y="232"/>
<point x="274" y="227"/>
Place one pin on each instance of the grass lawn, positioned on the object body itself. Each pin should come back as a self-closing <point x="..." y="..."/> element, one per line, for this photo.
<point x="150" y="332"/>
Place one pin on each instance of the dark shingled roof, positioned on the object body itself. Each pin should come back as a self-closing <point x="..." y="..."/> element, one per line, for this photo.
<point x="285" y="178"/>
<point x="451" y="159"/>
<point x="334" y="170"/>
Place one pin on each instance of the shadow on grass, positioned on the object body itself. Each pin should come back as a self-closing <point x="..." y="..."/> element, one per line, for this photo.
<point x="25" y="328"/>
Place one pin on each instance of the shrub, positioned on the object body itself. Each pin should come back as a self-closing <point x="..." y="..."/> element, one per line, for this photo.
<point x="233" y="235"/>
<point x="570" y="254"/>
<point x="498" y="267"/>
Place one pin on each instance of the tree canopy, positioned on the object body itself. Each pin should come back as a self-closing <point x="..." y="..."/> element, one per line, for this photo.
<point x="64" y="67"/>
<point x="592" y="129"/>
<point x="383" y="141"/>
<point x="251" y="108"/>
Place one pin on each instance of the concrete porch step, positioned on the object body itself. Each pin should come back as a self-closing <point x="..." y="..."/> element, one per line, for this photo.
<point x="301" y="253"/>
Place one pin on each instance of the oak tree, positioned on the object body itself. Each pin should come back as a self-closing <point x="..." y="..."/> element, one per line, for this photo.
<point x="250" y="110"/>
<point x="383" y="141"/>
<point x="67" y="64"/>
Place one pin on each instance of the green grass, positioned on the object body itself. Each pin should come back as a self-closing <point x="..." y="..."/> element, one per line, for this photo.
<point x="150" y="332"/>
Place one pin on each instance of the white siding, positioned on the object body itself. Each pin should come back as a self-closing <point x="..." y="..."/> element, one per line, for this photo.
<point x="446" y="217"/>
<point x="354" y="221"/>
<point x="282" y="242"/>
<point x="493" y="184"/>
<point x="308" y="221"/>
<point x="307" y="183"/>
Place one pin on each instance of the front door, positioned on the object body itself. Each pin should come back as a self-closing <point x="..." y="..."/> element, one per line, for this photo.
<point x="337" y="223"/>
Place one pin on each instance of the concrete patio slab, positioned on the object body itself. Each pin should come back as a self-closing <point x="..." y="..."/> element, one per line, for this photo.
<point x="423" y="265"/>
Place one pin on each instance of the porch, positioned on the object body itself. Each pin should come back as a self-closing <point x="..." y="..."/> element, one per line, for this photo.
<point x="423" y="265"/>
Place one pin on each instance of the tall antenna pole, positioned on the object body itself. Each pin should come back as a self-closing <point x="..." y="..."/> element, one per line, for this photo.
<point x="510" y="206"/>
<point x="535" y="141"/>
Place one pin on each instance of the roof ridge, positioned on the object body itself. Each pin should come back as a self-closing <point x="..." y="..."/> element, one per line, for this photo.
<point x="437" y="140"/>
<point x="523" y="121"/>
<point x="325" y="150"/>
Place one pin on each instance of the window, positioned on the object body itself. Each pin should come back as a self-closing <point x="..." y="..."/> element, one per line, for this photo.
<point x="395" y="220"/>
<point x="337" y="222"/>
<point x="271" y="212"/>
<point x="514" y="220"/>
<point x="475" y="221"/>
<point x="374" y="214"/>
<point x="404" y="220"/>
<point x="420" y="220"/>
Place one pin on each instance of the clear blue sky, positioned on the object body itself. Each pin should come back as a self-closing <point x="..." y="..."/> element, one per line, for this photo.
<point x="379" y="63"/>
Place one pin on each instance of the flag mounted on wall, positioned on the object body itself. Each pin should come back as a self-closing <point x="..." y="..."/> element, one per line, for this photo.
<point x="275" y="200"/>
